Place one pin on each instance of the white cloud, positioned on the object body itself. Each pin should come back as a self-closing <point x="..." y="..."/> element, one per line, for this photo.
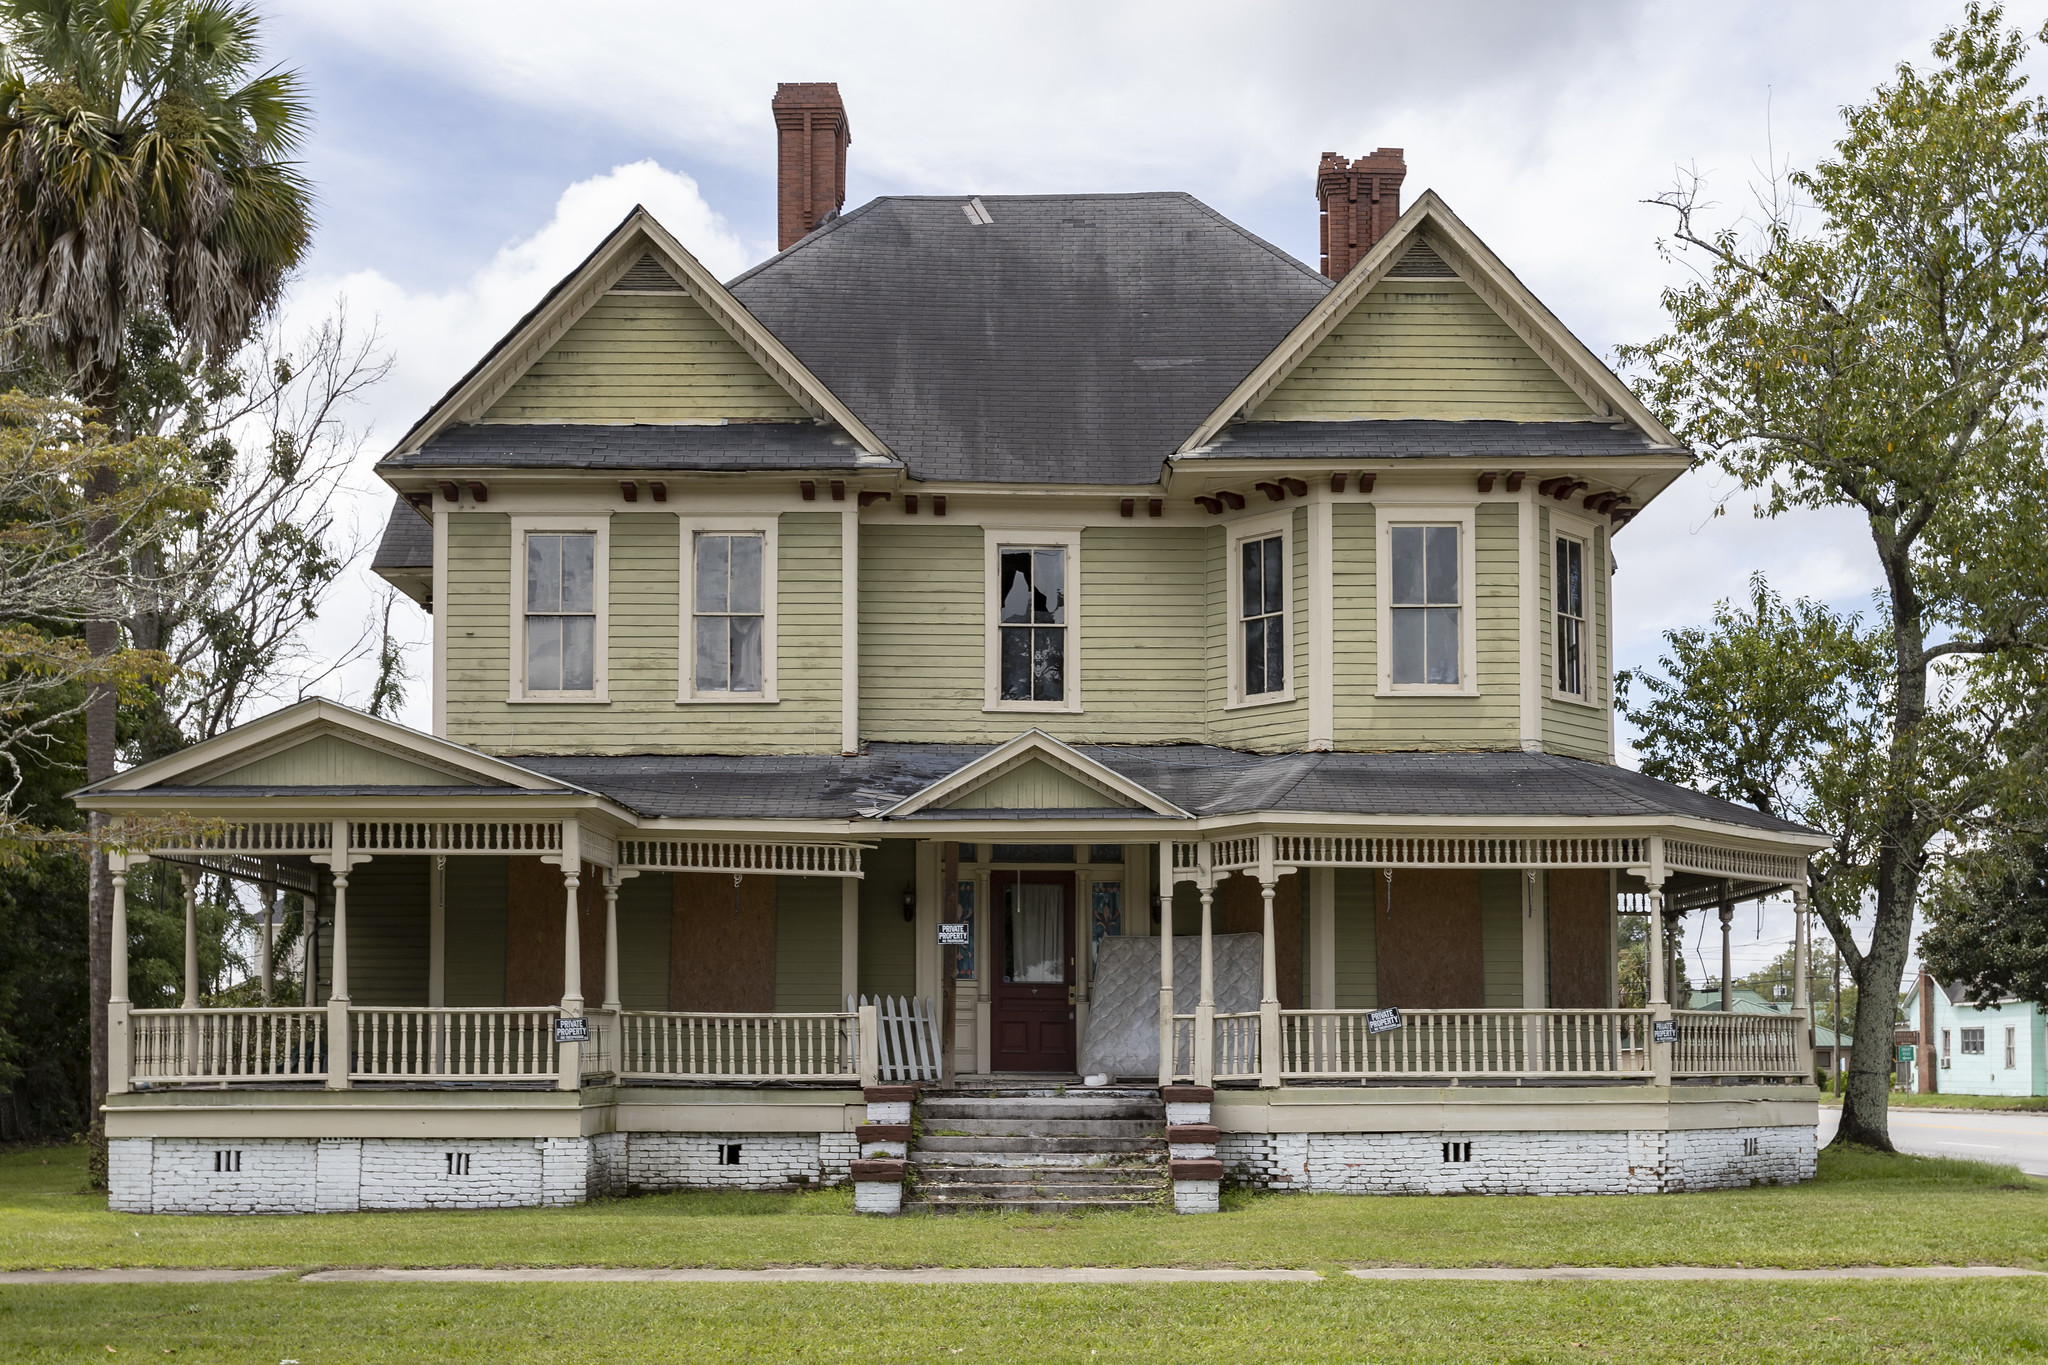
<point x="434" y="338"/>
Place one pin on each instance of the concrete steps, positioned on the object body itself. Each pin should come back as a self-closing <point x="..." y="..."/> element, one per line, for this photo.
<point x="1041" y="1150"/>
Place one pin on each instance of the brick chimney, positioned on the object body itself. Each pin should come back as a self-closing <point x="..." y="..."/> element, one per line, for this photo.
<point x="811" y="138"/>
<point x="1360" y="201"/>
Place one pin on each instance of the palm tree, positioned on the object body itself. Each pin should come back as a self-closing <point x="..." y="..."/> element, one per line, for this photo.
<point x="144" y="168"/>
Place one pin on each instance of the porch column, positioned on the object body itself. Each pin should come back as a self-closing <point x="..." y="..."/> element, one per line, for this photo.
<point x="1205" y="1005"/>
<point x="1166" y="1048"/>
<point x="340" y="1042"/>
<point x="1269" y="996"/>
<point x="569" y="1056"/>
<point x="1727" y="953"/>
<point x="1535" y="969"/>
<point x="190" y="882"/>
<point x="1655" y="950"/>
<point x="266" y="942"/>
<point x="1802" y="929"/>
<point x="612" y="877"/>
<point x="437" y="932"/>
<point x="119" y="1051"/>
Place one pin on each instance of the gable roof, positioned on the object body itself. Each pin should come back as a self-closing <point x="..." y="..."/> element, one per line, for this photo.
<point x="1430" y="221"/>
<point x="1071" y="769"/>
<point x="617" y="259"/>
<point x="1071" y="339"/>
<point x="246" y="747"/>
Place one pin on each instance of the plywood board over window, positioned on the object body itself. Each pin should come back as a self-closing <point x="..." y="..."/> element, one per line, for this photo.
<point x="533" y="933"/>
<point x="722" y="946"/>
<point x="1578" y="940"/>
<point x="1427" y="929"/>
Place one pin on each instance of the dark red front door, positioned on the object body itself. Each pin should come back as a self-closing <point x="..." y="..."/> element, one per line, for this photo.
<point x="1033" y="1028"/>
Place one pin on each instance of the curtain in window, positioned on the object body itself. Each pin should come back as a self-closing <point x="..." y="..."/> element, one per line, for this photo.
<point x="1032" y="945"/>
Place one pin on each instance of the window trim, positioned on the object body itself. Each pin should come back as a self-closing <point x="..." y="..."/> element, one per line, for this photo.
<point x="687" y="528"/>
<point x="1465" y="518"/>
<point x="593" y="523"/>
<point x="1257" y="528"/>
<point x="993" y="540"/>
<point x="1577" y="528"/>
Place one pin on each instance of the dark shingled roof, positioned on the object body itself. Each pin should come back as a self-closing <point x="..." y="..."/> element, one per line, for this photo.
<point x="730" y="446"/>
<point x="1199" y="778"/>
<point x="1415" y="438"/>
<point x="1076" y="339"/>
<point x="408" y="541"/>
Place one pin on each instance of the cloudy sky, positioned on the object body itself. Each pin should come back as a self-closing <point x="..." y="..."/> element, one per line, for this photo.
<point x="468" y="154"/>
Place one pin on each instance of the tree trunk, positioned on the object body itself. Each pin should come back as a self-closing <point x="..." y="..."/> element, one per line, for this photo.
<point x="102" y="638"/>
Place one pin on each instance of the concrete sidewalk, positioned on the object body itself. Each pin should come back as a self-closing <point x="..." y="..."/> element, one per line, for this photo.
<point x="1696" y="1272"/>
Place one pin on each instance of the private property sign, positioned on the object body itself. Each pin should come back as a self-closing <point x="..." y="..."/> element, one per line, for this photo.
<point x="572" y="1030"/>
<point x="1382" y="1021"/>
<point x="1664" y="1031"/>
<point x="954" y="935"/>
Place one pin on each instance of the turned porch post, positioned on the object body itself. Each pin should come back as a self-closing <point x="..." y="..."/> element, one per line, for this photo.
<point x="266" y="942"/>
<point x="612" y="878"/>
<point x="1655" y="951"/>
<point x="1802" y="929"/>
<point x="1727" y="952"/>
<point x="340" y="1049"/>
<point x="1166" y="1048"/>
<point x="120" y="1055"/>
<point x="189" y="881"/>
<point x="1269" y="987"/>
<point x="1205" y="1004"/>
<point x="569" y="1056"/>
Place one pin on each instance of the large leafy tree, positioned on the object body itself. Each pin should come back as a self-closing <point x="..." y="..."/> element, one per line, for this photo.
<point x="144" y="168"/>
<point x="1879" y="341"/>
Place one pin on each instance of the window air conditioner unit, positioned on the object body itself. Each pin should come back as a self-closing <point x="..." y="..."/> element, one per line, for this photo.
<point x="1944" y="1063"/>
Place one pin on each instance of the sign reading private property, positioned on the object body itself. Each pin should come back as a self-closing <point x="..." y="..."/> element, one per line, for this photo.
<point x="1664" y="1030"/>
<point x="954" y="935"/>
<point x="572" y="1030"/>
<point x="1382" y="1021"/>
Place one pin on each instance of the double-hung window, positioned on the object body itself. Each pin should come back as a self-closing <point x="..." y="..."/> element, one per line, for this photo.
<point x="728" y="613"/>
<point x="1568" y="598"/>
<point x="1425" y="604"/>
<point x="561" y="613"/>
<point x="1031" y="622"/>
<point x="1973" y="1042"/>
<point x="1262" y="616"/>
<point x="2011" y="1048"/>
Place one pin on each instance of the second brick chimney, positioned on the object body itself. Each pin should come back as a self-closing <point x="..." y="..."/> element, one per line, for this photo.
<point x="811" y="138"/>
<point x="1360" y="201"/>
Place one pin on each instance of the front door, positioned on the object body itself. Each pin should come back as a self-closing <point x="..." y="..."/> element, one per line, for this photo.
<point x="1033" y="1027"/>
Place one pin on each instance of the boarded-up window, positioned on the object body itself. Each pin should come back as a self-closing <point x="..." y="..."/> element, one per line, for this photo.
<point x="534" y="898"/>
<point x="722" y="946"/>
<point x="1578" y="941"/>
<point x="1427" y="927"/>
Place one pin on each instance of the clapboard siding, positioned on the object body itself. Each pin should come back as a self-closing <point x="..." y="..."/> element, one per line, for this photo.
<point x="1500" y="937"/>
<point x="1433" y="349"/>
<point x="921" y="635"/>
<point x="1144" y="603"/>
<point x="1358" y="968"/>
<point x="1571" y="727"/>
<point x="388" y="930"/>
<point x="646" y="925"/>
<point x="473" y="899"/>
<point x="807" y="943"/>
<point x="646" y="358"/>
<point x="888" y="942"/>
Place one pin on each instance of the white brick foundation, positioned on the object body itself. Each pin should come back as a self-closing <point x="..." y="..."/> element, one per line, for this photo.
<point x="767" y="1161"/>
<point x="1643" y="1162"/>
<point x="1197" y="1196"/>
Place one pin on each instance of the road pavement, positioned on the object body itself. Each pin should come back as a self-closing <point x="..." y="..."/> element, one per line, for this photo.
<point x="1978" y="1135"/>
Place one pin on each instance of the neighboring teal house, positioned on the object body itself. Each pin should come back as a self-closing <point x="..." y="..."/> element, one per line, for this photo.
<point x="1159" y="659"/>
<point x="1999" y="1049"/>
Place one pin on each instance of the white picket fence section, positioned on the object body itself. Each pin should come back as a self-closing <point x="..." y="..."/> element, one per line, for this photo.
<point x="906" y="1037"/>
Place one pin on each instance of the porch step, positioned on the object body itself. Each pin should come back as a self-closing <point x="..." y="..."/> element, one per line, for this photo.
<point x="1043" y="1150"/>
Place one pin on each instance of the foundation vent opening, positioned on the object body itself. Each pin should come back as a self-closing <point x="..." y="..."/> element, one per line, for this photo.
<point x="728" y="1154"/>
<point x="1455" y="1152"/>
<point x="458" y="1162"/>
<point x="227" y="1162"/>
<point x="1752" y="1146"/>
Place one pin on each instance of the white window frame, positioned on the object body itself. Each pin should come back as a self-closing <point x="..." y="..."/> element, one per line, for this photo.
<point x="764" y="526"/>
<point x="1390" y="515"/>
<point x="994" y="539"/>
<point x="1564" y="524"/>
<point x="1258" y="528"/>
<point x="597" y="524"/>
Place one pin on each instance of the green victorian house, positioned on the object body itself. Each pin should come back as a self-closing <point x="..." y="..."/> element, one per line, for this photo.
<point x="1056" y="661"/>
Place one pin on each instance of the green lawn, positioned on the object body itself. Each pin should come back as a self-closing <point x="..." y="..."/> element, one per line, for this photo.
<point x="1865" y="1209"/>
<point x="2037" y="1104"/>
<point x="1338" y="1320"/>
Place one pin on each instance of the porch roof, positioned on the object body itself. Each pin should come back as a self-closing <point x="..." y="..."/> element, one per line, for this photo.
<point x="1201" y="779"/>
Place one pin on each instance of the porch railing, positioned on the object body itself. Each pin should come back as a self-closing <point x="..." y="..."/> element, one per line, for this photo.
<point x="1714" y="1043"/>
<point x="403" y="1043"/>
<point x="738" y="1047"/>
<point x="1184" y="1047"/>
<point x="220" y="1045"/>
<point x="1336" y="1044"/>
<point x="1237" y="1047"/>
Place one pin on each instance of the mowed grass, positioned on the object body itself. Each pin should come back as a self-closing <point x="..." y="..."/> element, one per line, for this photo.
<point x="2023" y="1104"/>
<point x="1866" y="1209"/>
<point x="1336" y="1320"/>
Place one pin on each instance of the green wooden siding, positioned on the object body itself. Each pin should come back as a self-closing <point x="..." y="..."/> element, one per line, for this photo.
<point x="1143" y="602"/>
<point x="807" y="944"/>
<point x="646" y="358"/>
<point x="646" y="922"/>
<point x="1414" y="348"/>
<point x="1490" y="720"/>
<point x="1035" y="785"/>
<point x="1571" y="727"/>
<point x="330" y="760"/>
<point x="1500" y="938"/>
<point x="1358" y="967"/>
<point x="921" y="635"/>
<point x="473" y="899"/>
<point x="643" y="643"/>
<point x="888" y="942"/>
<point x="388" y="932"/>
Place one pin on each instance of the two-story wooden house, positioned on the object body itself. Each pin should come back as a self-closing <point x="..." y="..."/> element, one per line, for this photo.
<point x="1154" y="659"/>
